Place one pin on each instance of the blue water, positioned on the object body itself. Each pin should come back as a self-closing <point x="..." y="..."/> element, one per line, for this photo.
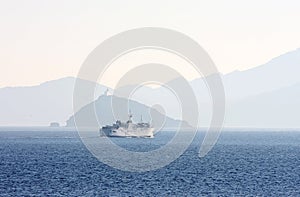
<point x="41" y="163"/>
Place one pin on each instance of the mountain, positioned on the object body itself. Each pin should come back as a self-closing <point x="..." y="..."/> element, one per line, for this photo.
<point x="240" y="87"/>
<point x="264" y="96"/>
<point x="39" y="105"/>
<point x="275" y="109"/>
<point x="106" y="114"/>
<point x="52" y="101"/>
<point x="280" y="72"/>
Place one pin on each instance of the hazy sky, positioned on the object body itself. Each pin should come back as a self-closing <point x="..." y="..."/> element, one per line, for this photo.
<point x="44" y="40"/>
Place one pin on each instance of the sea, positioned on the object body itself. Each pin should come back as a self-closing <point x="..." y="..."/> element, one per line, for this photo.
<point x="48" y="162"/>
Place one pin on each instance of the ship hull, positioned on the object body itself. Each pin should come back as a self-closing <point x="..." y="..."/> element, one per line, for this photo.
<point x="138" y="132"/>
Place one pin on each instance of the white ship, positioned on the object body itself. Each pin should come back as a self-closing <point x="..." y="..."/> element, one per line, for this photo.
<point x="128" y="129"/>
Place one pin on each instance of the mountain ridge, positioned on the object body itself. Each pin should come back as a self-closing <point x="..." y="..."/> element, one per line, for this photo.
<point x="51" y="101"/>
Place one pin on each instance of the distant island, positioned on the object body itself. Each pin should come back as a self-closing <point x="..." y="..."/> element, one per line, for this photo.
<point x="106" y="116"/>
<point x="54" y="124"/>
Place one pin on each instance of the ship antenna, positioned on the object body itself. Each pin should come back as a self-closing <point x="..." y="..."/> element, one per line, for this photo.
<point x="141" y="118"/>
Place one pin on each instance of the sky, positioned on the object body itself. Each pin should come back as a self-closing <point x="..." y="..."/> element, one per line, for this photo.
<point x="45" y="40"/>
